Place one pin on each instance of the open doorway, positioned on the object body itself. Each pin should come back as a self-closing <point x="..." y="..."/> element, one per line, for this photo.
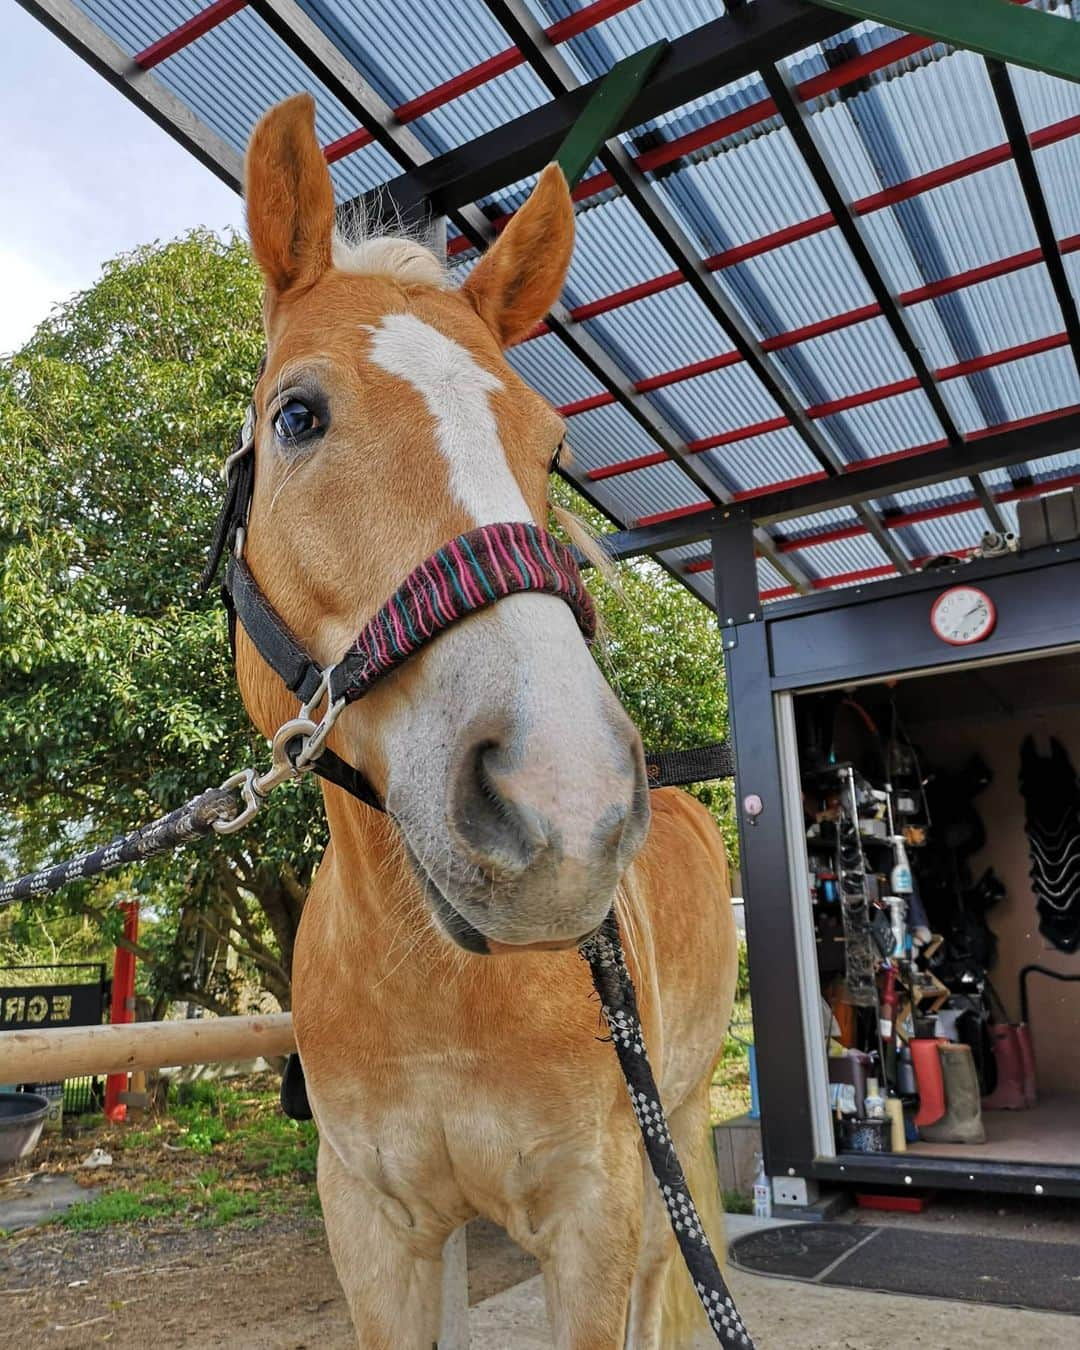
<point x="942" y="827"/>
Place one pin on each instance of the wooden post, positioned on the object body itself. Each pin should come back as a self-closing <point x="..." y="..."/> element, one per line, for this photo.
<point x="454" y="1331"/>
<point x="73" y="1052"/>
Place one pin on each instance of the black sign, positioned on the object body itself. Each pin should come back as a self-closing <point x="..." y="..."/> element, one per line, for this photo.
<point x="50" y="1005"/>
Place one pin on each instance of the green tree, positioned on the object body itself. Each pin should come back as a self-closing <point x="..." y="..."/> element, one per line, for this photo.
<point x="117" y="699"/>
<point x="117" y="695"/>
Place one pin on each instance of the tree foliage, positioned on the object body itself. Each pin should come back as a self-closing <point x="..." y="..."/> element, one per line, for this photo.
<point x="117" y="700"/>
<point x="117" y="695"/>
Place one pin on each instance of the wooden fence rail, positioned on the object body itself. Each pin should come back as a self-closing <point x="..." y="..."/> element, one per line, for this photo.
<point x="50" y="1054"/>
<point x="47" y="1055"/>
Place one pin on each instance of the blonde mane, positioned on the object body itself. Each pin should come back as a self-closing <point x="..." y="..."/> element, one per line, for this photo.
<point x="388" y="255"/>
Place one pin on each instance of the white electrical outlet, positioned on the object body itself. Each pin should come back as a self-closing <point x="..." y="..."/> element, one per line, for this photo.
<point x="794" y="1191"/>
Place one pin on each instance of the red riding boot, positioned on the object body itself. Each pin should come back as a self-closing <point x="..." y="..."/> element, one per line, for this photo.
<point x="1009" y="1093"/>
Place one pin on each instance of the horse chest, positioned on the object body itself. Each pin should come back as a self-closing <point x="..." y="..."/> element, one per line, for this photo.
<point x="436" y="1136"/>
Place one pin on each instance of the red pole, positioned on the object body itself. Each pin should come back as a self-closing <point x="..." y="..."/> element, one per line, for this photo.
<point x="122" y="1008"/>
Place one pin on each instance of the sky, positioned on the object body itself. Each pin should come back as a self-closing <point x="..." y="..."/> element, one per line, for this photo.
<point x="87" y="176"/>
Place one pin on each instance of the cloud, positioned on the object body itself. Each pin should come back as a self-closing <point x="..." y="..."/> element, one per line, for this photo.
<point x="95" y="177"/>
<point x="30" y="291"/>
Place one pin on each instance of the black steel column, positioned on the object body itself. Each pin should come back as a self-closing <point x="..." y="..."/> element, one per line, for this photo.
<point x="772" y="939"/>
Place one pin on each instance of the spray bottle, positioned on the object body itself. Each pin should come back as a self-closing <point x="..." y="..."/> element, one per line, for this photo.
<point x="762" y="1190"/>
<point x="900" y="882"/>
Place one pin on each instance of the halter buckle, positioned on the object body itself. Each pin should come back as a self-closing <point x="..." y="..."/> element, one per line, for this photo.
<point x="247" y="442"/>
<point x="256" y="787"/>
<point x="282" y="766"/>
<point x="316" y="742"/>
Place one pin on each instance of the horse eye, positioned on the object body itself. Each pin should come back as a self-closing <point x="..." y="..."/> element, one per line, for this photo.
<point x="294" y="421"/>
<point x="556" y="458"/>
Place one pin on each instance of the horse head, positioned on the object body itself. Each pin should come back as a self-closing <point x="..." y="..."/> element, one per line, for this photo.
<point x="388" y="422"/>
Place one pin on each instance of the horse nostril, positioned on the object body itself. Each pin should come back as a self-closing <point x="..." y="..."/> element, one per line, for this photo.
<point x="502" y="834"/>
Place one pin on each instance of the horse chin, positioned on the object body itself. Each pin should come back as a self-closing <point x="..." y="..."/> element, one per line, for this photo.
<point x="453" y="925"/>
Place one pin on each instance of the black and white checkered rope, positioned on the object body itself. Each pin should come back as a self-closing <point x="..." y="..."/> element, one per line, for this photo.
<point x="182" y="826"/>
<point x="617" y="998"/>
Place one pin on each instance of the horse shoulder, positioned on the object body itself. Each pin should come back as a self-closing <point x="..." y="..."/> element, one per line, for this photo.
<point x="689" y="937"/>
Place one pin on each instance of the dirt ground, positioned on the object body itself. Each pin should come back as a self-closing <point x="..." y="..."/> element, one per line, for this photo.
<point x="167" y="1286"/>
<point x="272" y="1287"/>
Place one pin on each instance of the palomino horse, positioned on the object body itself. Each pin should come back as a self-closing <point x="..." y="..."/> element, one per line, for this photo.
<point x="447" y="1084"/>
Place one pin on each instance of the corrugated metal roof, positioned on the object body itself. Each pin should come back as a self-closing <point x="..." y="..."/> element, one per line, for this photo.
<point x="924" y="113"/>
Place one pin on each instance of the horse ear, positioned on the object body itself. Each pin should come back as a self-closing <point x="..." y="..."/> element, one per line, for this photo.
<point x="290" y="199"/>
<point x="519" y="278"/>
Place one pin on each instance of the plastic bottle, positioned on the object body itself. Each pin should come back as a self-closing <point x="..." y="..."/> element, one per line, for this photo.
<point x="894" y="1109"/>
<point x="874" y="1104"/>
<point x="900" y="882"/>
<point x="905" y="1074"/>
<point x="762" y="1190"/>
<point x="897" y="907"/>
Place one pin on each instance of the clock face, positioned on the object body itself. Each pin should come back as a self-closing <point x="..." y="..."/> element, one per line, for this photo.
<point x="962" y="615"/>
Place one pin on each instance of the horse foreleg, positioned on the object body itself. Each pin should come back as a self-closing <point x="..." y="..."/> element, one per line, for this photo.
<point x="391" y="1274"/>
<point x="664" y="1310"/>
<point x="658" y="1251"/>
<point x="591" y="1249"/>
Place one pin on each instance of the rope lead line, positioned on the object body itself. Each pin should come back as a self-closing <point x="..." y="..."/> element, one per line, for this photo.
<point x="187" y="823"/>
<point x="611" y="979"/>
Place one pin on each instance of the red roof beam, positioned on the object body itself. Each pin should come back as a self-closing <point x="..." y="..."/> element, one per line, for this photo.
<point x="467" y="80"/>
<point x="854" y="467"/>
<point x="976" y="275"/>
<point x="899" y="519"/>
<point x="186" y="33"/>
<point x="877" y="201"/>
<point x="845" y="73"/>
<point x="838" y="405"/>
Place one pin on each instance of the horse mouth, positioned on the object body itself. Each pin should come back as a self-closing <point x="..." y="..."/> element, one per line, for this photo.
<point x="453" y="924"/>
<point x="449" y="921"/>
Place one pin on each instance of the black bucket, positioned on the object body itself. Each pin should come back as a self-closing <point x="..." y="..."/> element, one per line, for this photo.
<point x="22" y="1116"/>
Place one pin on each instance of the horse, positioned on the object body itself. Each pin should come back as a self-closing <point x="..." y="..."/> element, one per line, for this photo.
<point x="448" y="1082"/>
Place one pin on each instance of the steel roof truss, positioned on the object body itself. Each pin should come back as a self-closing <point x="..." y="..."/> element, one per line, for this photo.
<point x="1024" y="158"/>
<point x="827" y="179"/>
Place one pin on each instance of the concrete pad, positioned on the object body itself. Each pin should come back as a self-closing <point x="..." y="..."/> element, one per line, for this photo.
<point x="516" y="1319"/>
<point x="37" y="1199"/>
<point x="790" y="1315"/>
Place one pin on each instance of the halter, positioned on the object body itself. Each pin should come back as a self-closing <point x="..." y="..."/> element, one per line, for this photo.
<point x="471" y="572"/>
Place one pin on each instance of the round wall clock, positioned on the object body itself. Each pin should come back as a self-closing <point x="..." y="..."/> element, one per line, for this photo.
<point x="963" y="615"/>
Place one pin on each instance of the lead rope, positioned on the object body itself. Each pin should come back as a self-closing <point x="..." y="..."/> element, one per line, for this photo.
<point x="187" y="823"/>
<point x="611" y="978"/>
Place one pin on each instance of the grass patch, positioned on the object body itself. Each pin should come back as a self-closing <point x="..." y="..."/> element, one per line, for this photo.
<point x="737" y="1202"/>
<point x="222" y="1153"/>
<point x="730" y="1092"/>
<point x="151" y="1201"/>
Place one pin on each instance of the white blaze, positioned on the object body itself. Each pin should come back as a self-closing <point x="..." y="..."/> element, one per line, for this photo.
<point x="456" y="390"/>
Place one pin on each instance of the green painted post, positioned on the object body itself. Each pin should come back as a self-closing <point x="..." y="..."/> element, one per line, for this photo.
<point x="997" y="28"/>
<point x="603" y="112"/>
